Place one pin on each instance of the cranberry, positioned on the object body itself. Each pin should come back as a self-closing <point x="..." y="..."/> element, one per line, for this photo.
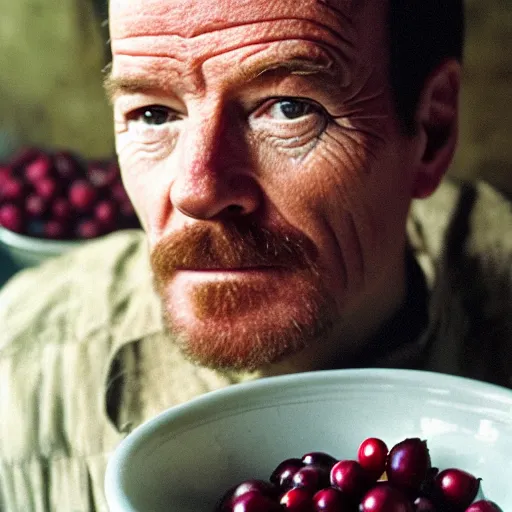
<point x="38" y="169"/>
<point x="282" y="476"/>
<point x="331" y="500"/>
<point x="61" y="209"/>
<point x="483" y="506"/>
<point x="66" y="165"/>
<point x="423" y="504"/>
<point x="55" y="229"/>
<point x="408" y="464"/>
<point x="311" y="477"/>
<point x="5" y="174"/>
<point x="101" y="174"/>
<point x="265" y="488"/>
<point x="106" y="213"/>
<point x="254" y="501"/>
<point x="35" y="206"/>
<point x="119" y="192"/>
<point x="82" y="195"/>
<point x="385" y="498"/>
<point x="11" y="218"/>
<point x="88" y="229"/>
<point x="297" y="500"/>
<point x="349" y="477"/>
<point x="319" y="459"/>
<point x="47" y="188"/>
<point x="372" y="456"/>
<point x="12" y="190"/>
<point x="25" y="156"/>
<point x="457" y="487"/>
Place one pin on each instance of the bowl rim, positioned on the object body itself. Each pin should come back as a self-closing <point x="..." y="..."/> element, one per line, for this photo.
<point x="32" y="244"/>
<point x="186" y="412"/>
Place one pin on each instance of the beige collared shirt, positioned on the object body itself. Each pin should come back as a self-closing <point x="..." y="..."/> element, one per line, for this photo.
<point x="84" y="331"/>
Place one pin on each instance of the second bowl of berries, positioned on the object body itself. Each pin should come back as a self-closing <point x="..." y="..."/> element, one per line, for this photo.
<point x="337" y="441"/>
<point x="51" y="201"/>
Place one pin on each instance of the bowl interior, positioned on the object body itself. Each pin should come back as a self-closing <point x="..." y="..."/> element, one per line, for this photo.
<point x="184" y="459"/>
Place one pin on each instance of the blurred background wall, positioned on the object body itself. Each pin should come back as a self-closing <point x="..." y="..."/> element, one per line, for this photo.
<point x="52" y="53"/>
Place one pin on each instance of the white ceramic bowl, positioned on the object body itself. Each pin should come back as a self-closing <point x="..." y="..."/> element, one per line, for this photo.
<point x="27" y="251"/>
<point x="185" y="458"/>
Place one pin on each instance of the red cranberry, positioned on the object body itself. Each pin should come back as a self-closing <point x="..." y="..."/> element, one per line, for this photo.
<point x="88" y="229"/>
<point x="106" y="213"/>
<point x="119" y="192"/>
<point x="297" y="500"/>
<point x="66" y="165"/>
<point x="319" y="459"/>
<point x="458" y="488"/>
<point x="312" y="478"/>
<point x="408" y="464"/>
<point x="349" y="477"/>
<point x="423" y="504"/>
<point x="39" y="169"/>
<point x="265" y="488"/>
<point x="282" y="476"/>
<point x="12" y="190"/>
<point x="5" y="174"/>
<point x="61" y="209"/>
<point x="254" y="501"/>
<point x="331" y="500"/>
<point x="47" y="188"/>
<point x="101" y="174"/>
<point x="35" y="206"/>
<point x="82" y="195"/>
<point x="11" y="218"/>
<point x="483" y="506"/>
<point x="385" y="498"/>
<point x="55" y="229"/>
<point x="372" y="456"/>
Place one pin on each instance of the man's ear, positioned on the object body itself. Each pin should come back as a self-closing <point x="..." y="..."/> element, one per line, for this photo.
<point x="437" y="124"/>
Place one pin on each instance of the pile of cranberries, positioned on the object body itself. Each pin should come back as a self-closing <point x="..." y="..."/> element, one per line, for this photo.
<point x="61" y="196"/>
<point x="399" y="480"/>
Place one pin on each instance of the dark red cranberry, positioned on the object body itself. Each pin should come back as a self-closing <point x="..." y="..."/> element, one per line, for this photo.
<point x="66" y="165"/>
<point x="55" y="229"/>
<point x="265" y="488"/>
<point x="61" y="209"/>
<point x="35" y="206"/>
<point x="311" y="477"/>
<point x="254" y="501"/>
<point x="372" y="455"/>
<point x="319" y="459"/>
<point x="408" y="464"/>
<point x="40" y="168"/>
<point x="105" y="212"/>
<point x="82" y="195"/>
<point x="282" y="476"/>
<point x="349" y="477"/>
<point x="385" y="498"/>
<point x="101" y="174"/>
<point x="12" y="190"/>
<point x="331" y="500"/>
<point x="423" y="504"/>
<point x="457" y="488"/>
<point x="297" y="500"/>
<point x="483" y="506"/>
<point x="88" y="229"/>
<point x="5" y="174"/>
<point x="47" y="188"/>
<point x="119" y="192"/>
<point x="11" y="217"/>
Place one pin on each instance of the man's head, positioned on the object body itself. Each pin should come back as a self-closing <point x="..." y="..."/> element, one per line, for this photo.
<point x="271" y="150"/>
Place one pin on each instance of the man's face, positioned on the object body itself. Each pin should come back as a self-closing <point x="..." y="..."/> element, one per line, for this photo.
<point x="259" y="144"/>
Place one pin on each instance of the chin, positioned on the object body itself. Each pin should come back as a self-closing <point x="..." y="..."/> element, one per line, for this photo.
<point x="233" y="328"/>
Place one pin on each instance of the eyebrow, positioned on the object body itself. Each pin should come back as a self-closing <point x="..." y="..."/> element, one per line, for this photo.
<point x="117" y="85"/>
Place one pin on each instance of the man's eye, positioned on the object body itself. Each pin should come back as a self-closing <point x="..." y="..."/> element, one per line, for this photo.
<point x="154" y="115"/>
<point x="290" y="109"/>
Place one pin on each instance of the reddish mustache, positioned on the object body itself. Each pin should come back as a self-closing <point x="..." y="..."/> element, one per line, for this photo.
<point x="231" y="246"/>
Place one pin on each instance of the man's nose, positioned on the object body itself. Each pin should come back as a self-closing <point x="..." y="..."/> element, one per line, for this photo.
<point x="213" y="176"/>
